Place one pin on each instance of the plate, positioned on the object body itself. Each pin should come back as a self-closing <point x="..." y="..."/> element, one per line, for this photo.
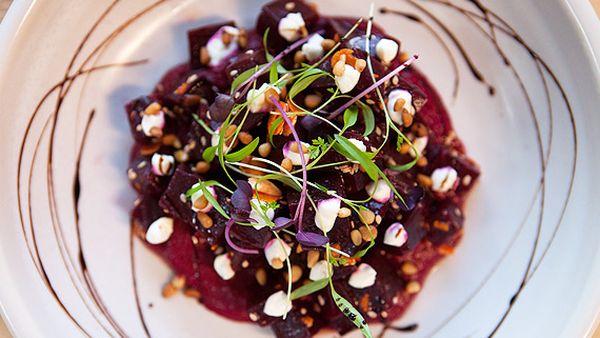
<point x="521" y="81"/>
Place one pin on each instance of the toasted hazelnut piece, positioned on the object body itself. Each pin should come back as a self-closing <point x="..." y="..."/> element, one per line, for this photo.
<point x="446" y="250"/>
<point x="443" y="226"/>
<point x="202" y="167"/>
<point x="366" y="235"/>
<point x="192" y="293"/>
<point x="294" y="148"/>
<point x="409" y="268"/>
<point x="367" y="215"/>
<point x="356" y="237"/>
<point x="424" y="180"/>
<point x="413" y="287"/>
<point x="200" y="203"/>
<point x="339" y="68"/>
<point x="277" y="263"/>
<point x="327" y="44"/>
<point x="178" y="282"/>
<point x="308" y="321"/>
<point x="181" y="156"/>
<point x="266" y="189"/>
<point x="153" y="109"/>
<point x="422" y="161"/>
<point x="243" y="39"/>
<point x="170" y="140"/>
<point x="360" y="65"/>
<point x="226" y="38"/>
<point x="205" y="220"/>
<point x="287" y="164"/>
<point x="299" y="57"/>
<point x="312" y="101"/>
<point x="407" y="118"/>
<point x="344" y="212"/>
<point x="245" y="137"/>
<point x="261" y="277"/>
<point x="264" y="149"/>
<point x="404" y="148"/>
<point x="312" y="257"/>
<point x="169" y="291"/>
<point x="296" y="273"/>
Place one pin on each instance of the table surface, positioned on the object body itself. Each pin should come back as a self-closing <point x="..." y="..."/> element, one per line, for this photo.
<point x="4" y="4"/>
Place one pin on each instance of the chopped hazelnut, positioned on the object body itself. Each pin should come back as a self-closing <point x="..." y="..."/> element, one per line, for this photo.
<point x="205" y="220"/>
<point x="413" y="287"/>
<point x="312" y="257"/>
<point x="287" y="164"/>
<point x="202" y="167"/>
<point x="312" y="101"/>
<point x="261" y="276"/>
<point x="356" y="237"/>
<point x="344" y="212"/>
<point x="264" y="149"/>
<point x="245" y="137"/>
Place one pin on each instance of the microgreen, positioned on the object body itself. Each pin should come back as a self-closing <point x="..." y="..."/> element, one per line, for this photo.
<point x="350" y="117"/>
<point x="209" y="154"/>
<point x="273" y="75"/>
<point x="242" y="153"/>
<point x="305" y="81"/>
<point x="368" y="117"/>
<point x="203" y="124"/>
<point x="351" y="312"/>
<point x="318" y="145"/>
<point x="208" y="195"/>
<point x="276" y="123"/>
<point x="345" y="306"/>
<point x="243" y="77"/>
<point x="348" y="149"/>
<point x="310" y="288"/>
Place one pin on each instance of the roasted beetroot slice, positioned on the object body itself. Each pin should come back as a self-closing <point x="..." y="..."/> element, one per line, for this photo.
<point x="179" y="252"/>
<point x="172" y="79"/>
<point x="433" y="113"/>
<point x="232" y="298"/>
<point x="145" y="212"/>
<point x="466" y="168"/>
<point x="292" y="327"/>
<point x="198" y="38"/>
<point x="142" y="179"/>
<point x="446" y="221"/>
<point x="171" y="200"/>
<point x="134" y="110"/>
<point x="273" y="12"/>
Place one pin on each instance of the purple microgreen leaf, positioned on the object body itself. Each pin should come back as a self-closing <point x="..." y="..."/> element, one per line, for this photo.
<point x="221" y="108"/>
<point x="282" y="223"/>
<point x="411" y="199"/>
<point x="311" y="239"/>
<point x="233" y="245"/>
<point x="240" y="199"/>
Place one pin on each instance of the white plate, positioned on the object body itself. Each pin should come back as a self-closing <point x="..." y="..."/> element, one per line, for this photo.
<point x="469" y="293"/>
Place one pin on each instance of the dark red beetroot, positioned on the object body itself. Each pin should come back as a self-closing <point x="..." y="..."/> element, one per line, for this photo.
<point x="433" y="221"/>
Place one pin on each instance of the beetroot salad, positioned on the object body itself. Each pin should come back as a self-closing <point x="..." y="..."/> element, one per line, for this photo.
<point x="299" y="175"/>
